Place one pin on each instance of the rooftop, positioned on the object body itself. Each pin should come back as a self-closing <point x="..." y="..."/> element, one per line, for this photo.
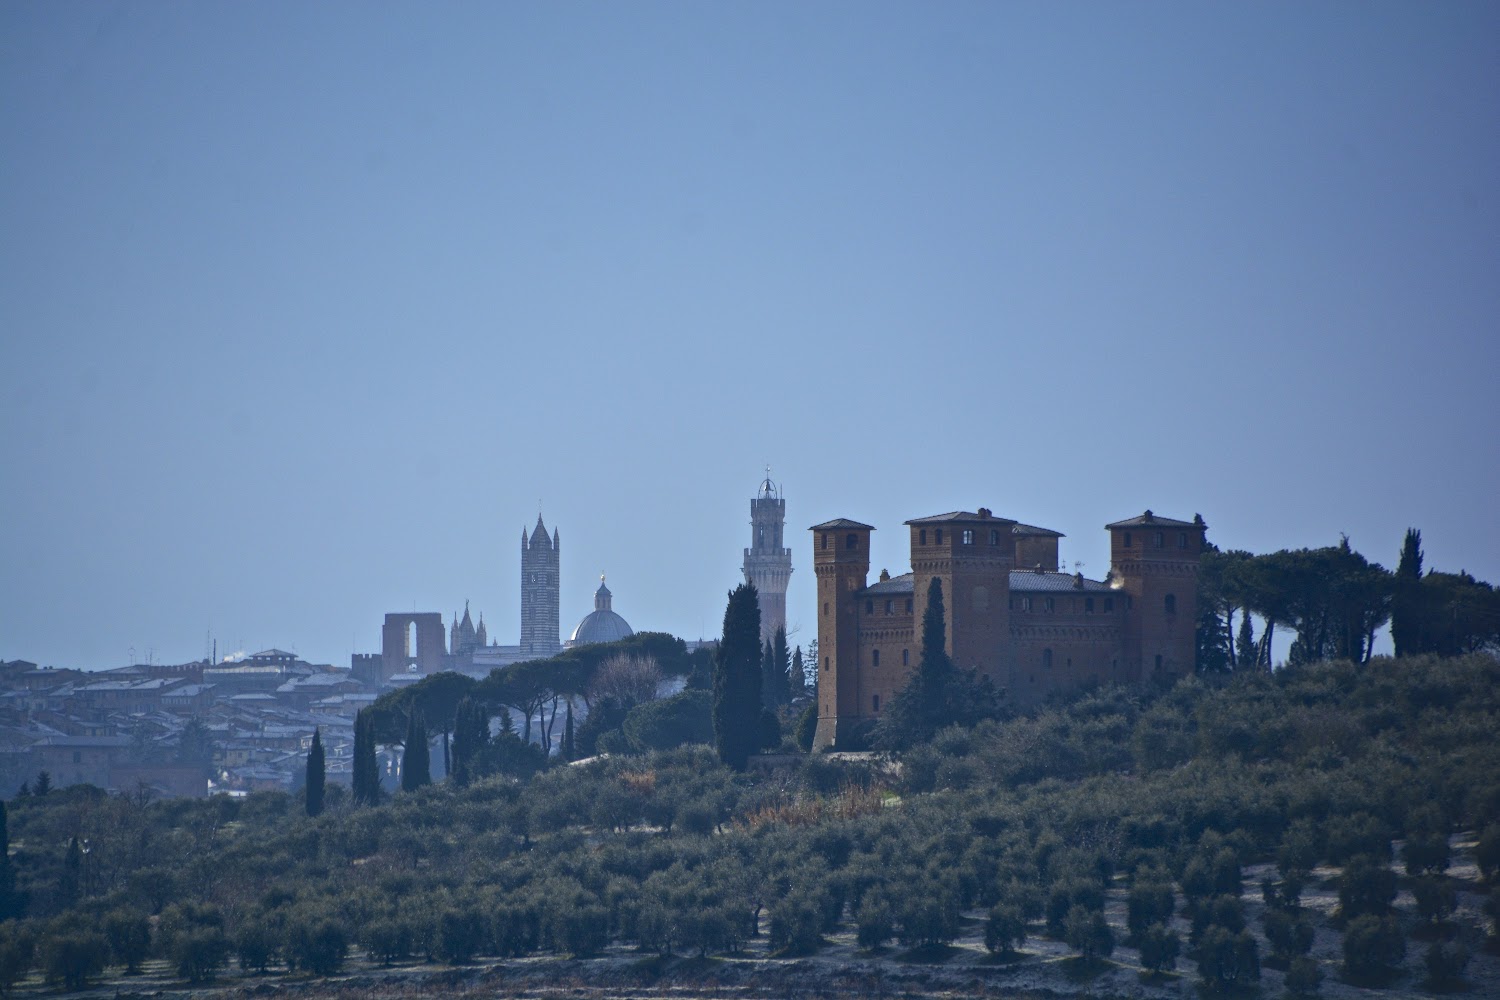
<point x="1148" y="519"/>
<point x="983" y="514"/>
<point x="840" y="522"/>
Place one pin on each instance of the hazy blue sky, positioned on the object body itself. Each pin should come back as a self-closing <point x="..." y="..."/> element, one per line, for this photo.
<point x="305" y="306"/>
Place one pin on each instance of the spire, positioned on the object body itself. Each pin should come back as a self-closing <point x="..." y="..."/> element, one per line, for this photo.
<point x="602" y="596"/>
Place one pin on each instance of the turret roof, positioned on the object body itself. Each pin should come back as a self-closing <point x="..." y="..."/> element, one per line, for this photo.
<point x="1148" y="518"/>
<point x="840" y="522"/>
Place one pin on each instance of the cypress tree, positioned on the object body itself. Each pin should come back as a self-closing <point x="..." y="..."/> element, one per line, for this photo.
<point x="10" y="903"/>
<point x="69" y="881"/>
<point x="781" y="659"/>
<point x="928" y="701"/>
<point x="1246" y="642"/>
<point x="767" y="676"/>
<point x="366" y="770"/>
<point x="798" y="674"/>
<point x="569" y="748"/>
<point x="737" y="679"/>
<point x="471" y="732"/>
<point x="416" y="768"/>
<point x="316" y="775"/>
<point x="1406" y="625"/>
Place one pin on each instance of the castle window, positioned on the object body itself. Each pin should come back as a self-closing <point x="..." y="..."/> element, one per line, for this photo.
<point x="1158" y="661"/>
<point x="890" y="606"/>
<point x="906" y="657"/>
<point x="1046" y="659"/>
<point x="875" y="658"/>
<point x="922" y="537"/>
<point x="939" y="534"/>
<point x="908" y="605"/>
<point x="1109" y="604"/>
<point x="869" y="607"/>
<point x="825" y="663"/>
<point x="1169" y="603"/>
<point x="1127" y="539"/>
<point x="825" y="540"/>
<point x="851" y="541"/>
<point x="1088" y="605"/>
<point x="1182" y="539"/>
<point x="1025" y="604"/>
<point x="994" y="536"/>
<point x="1114" y="664"/>
<point x="1158" y="540"/>
<point x="825" y="609"/>
<point x="968" y="537"/>
<point x="1048" y="603"/>
<point x="875" y="701"/>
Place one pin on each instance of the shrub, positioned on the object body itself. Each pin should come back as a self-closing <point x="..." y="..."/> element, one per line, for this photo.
<point x="386" y="940"/>
<point x="1226" y="959"/>
<point x="1159" y="947"/>
<point x="1303" y="977"/>
<point x="316" y="945"/>
<point x="1435" y="897"/>
<point x="873" y="924"/>
<point x="796" y="924"/>
<point x="1445" y="965"/>
<point x="199" y="953"/>
<point x="72" y="959"/>
<point x="1425" y="854"/>
<point x="1004" y="929"/>
<point x="1147" y="904"/>
<point x="1373" y="946"/>
<point x="1367" y="887"/>
<point x="16" y="949"/>
<point x="460" y="935"/>
<point x="1086" y="933"/>
<point x="257" y="945"/>
<point x="1487" y="853"/>
<point x="129" y="934"/>
<point x="1289" y="935"/>
<point x="584" y="930"/>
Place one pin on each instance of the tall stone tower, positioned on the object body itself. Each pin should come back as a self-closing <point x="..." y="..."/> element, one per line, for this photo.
<point x="540" y="592"/>
<point x="1154" y="560"/>
<point x="841" y="562"/>
<point x="768" y="564"/>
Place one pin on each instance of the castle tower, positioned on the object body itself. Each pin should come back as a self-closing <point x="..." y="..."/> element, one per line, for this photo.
<point x="1154" y="560"/>
<point x="540" y="592"/>
<point x="768" y="565"/>
<point x="972" y="554"/>
<point x="841" y="563"/>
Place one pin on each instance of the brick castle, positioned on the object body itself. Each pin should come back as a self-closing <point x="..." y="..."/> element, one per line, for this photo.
<point x="1010" y="613"/>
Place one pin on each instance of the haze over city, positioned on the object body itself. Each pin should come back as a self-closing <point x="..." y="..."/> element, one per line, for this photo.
<point x="308" y="310"/>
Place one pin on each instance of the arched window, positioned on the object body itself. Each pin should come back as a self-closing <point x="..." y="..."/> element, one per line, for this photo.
<point x="825" y="609"/>
<point x="922" y="537"/>
<point x="1158" y="661"/>
<point x="851" y="541"/>
<point x="890" y="606"/>
<point x="1127" y="539"/>
<point x="994" y="536"/>
<point x="906" y="657"/>
<point x="1159" y="539"/>
<point x="825" y="540"/>
<point x="939" y="534"/>
<point x="908" y="605"/>
<point x="1046" y="659"/>
<point x="1170" y="604"/>
<point x="968" y="536"/>
<point x="875" y="658"/>
<point x="825" y="663"/>
<point x="875" y="701"/>
<point x="869" y="607"/>
<point x="1182" y="539"/>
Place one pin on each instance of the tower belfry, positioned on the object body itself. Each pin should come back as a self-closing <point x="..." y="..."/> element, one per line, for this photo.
<point x="768" y="563"/>
<point x="540" y="591"/>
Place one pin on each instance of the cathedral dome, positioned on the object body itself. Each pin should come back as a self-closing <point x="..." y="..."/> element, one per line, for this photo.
<point x="602" y="624"/>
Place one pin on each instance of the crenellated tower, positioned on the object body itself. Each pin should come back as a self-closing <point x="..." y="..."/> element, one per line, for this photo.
<point x="768" y="563"/>
<point x="540" y="592"/>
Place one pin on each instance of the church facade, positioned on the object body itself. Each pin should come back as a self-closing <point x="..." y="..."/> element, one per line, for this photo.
<point x="1009" y="612"/>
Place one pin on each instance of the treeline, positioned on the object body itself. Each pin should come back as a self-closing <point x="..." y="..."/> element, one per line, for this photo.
<point x="1336" y="601"/>
<point x="1159" y="799"/>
